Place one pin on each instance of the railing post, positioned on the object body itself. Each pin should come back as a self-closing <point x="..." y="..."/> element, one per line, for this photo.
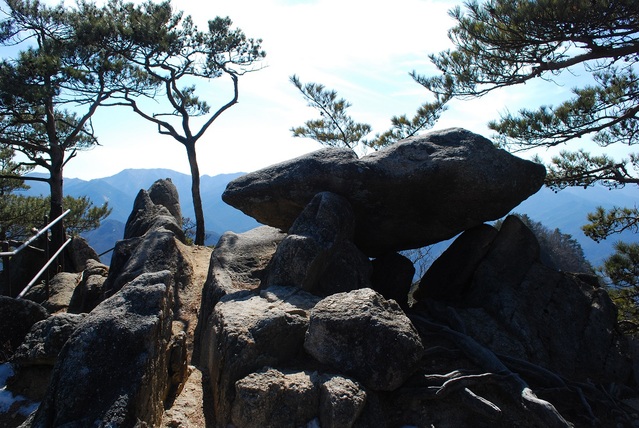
<point x="46" y="255"/>
<point x="5" y="267"/>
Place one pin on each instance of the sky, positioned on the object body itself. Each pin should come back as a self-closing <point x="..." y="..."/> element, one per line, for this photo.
<point x="363" y="49"/>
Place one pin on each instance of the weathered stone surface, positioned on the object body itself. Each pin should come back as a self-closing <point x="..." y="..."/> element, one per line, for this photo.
<point x="511" y="254"/>
<point x="17" y="317"/>
<point x="61" y="289"/>
<point x="22" y="268"/>
<point x="416" y="192"/>
<point x="44" y="341"/>
<point x="392" y="277"/>
<point x="119" y="352"/>
<point x="237" y="263"/>
<point x="342" y="400"/>
<point x="80" y="252"/>
<point x="274" y="398"/>
<point x="318" y="255"/>
<point x="555" y="320"/>
<point x="366" y="336"/>
<point x="148" y="216"/>
<point x="88" y="294"/>
<point x="513" y="304"/>
<point x="156" y="251"/>
<point x="347" y="269"/>
<point x="450" y="276"/>
<point x="164" y="192"/>
<point x="247" y="332"/>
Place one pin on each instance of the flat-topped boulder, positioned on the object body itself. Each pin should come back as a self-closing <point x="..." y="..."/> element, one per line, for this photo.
<point x="417" y="192"/>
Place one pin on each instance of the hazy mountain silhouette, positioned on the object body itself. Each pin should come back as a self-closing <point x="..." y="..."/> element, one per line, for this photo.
<point x="120" y="190"/>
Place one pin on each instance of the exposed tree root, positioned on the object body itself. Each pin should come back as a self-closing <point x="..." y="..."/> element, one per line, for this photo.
<point x="495" y="372"/>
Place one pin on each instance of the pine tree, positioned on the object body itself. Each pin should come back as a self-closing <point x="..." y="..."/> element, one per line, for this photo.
<point x="500" y="43"/>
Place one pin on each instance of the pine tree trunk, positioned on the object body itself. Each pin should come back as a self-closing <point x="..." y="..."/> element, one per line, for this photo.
<point x="56" y="183"/>
<point x="195" y="192"/>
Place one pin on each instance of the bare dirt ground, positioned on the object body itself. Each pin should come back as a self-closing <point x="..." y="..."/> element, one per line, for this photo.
<point x="188" y="409"/>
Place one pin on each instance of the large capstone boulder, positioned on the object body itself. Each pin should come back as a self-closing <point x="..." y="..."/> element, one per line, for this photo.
<point x="366" y="336"/>
<point x="114" y="367"/>
<point x="248" y="331"/>
<point x="318" y="255"/>
<point x="17" y="317"/>
<point x="413" y="193"/>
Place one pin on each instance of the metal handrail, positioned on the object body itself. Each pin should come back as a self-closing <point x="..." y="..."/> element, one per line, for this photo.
<point x="34" y="237"/>
<point x="6" y="254"/>
<point x="35" y="278"/>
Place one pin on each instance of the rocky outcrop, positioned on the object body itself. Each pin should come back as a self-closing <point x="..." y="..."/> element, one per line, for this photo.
<point x="164" y="193"/>
<point x="342" y="401"/>
<point x="120" y="351"/>
<point x="18" y="316"/>
<point x="319" y="255"/>
<point x="509" y="301"/>
<point x="303" y="329"/>
<point x="149" y="244"/>
<point x="89" y="291"/>
<point x="130" y="353"/>
<point x="492" y="326"/>
<point x="363" y="335"/>
<point x="411" y="194"/>
<point x="60" y="290"/>
<point x="237" y="263"/>
<point x="257" y="330"/>
<point x="80" y="253"/>
<point x="149" y="214"/>
<point x="45" y="340"/>
<point x="272" y="398"/>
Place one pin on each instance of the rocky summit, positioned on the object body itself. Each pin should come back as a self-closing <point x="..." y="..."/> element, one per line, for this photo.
<point x="413" y="193"/>
<point x="294" y="324"/>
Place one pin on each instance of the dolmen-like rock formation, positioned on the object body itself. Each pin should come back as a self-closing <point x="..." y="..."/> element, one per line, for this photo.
<point x="412" y="194"/>
<point x="314" y="318"/>
<point x="307" y="327"/>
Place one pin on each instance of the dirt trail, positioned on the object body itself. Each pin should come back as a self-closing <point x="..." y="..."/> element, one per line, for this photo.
<point x="188" y="409"/>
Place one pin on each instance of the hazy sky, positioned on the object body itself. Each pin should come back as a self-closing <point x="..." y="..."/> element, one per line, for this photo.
<point x="364" y="49"/>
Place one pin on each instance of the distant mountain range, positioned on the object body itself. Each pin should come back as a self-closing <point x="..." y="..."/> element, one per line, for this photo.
<point x="121" y="189"/>
<point x="565" y="210"/>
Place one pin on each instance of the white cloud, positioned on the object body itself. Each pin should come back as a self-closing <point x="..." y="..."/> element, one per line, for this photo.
<point x="362" y="49"/>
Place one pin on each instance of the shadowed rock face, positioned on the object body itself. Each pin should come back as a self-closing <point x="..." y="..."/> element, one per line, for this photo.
<point x="414" y="193"/>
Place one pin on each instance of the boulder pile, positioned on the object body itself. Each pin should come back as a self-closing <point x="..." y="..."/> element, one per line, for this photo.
<point x="324" y="329"/>
<point x="316" y="319"/>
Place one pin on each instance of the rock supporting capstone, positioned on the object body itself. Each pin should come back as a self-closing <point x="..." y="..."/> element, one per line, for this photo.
<point x="365" y="336"/>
